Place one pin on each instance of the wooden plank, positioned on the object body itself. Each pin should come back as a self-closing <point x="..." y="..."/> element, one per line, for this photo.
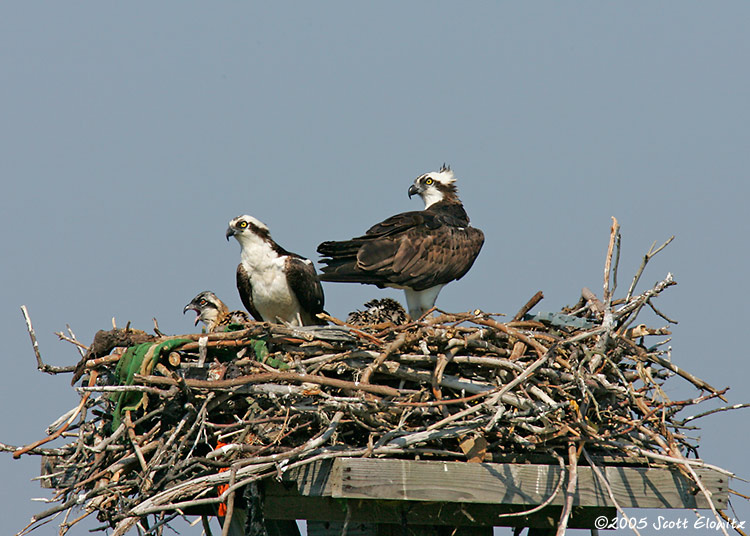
<point x="314" y="478"/>
<point x="328" y="528"/>
<point x="415" y="480"/>
<point x="334" y="528"/>
<point x="281" y="501"/>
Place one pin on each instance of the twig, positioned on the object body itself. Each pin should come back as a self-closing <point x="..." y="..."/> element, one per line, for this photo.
<point x="549" y="499"/>
<point x="41" y="365"/>
<point x="17" y="454"/>
<point x="647" y="257"/>
<point x="570" y="491"/>
<point x="603" y="479"/>
<point x="206" y="526"/>
<point x="608" y="287"/>
<point x="536" y="298"/>
<point x="711" y="412"/>
<point x="393" y="347"/>
<point x="230" y="504"/>
<point x="731" y="522"/>
<point x="706" y="494"/>
<point x="274" y="377"/>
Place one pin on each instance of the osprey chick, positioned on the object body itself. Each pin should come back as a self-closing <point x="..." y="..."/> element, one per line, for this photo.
<point x="418" y="251"/>
<point x="274" y="284"/>
<point x="384" y="310"/>
<point x="213" y="312"/>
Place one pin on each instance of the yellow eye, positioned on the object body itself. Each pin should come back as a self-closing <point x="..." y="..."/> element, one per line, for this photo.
<point x="428" y="182"/>
<point x="242" y="224"/>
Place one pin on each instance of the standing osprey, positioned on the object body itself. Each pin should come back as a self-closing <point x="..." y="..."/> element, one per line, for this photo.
<point x="418" y="251"/>
<point x="274" y="284"/>
<point x="213" y="312"/>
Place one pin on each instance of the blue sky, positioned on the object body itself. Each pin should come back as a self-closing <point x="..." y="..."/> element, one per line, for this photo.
<point x="131" y="134"/>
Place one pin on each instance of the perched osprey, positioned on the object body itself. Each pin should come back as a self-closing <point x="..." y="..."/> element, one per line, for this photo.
<point x="418" y="251"/>
<point x="274" y="284"/>
<point x="213" y="312"/>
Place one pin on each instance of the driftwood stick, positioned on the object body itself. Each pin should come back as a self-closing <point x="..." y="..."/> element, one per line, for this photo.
<point x="539" y="348"/>
<point x="608" y="286"/>
<point x="127" y="388"/>
<point x="82" y="348"/>
<point x="206" y="526"/>
<point x="594" y="303"/>
<point x="226" y="524"/>
<point x="647" y="257"/>
<point x="707" y="494"/>
<point x="603" y="479"/>
<point x="655" y="358"/>
<point x="17" y="454"/>
<point x="353" y="329"/>
<point x="494" y="399"/>
<point x="570" y="491"/>
<point x="711" y="412"/>
<point x="273" y="377"/>
<point x="549" y="499"/>
<point x="627" y="314"/>
<point x="732" y="523"/>
<point x="659" y="313"/>
<point x="134" y="442"/>
<point x="664" y="458"/>
<point x="536" y="298"/>
<point x="389" y="350"/>
<point x="616" y="266"/>
<point x="41" y="365"/>
<point x="42" y="452"/>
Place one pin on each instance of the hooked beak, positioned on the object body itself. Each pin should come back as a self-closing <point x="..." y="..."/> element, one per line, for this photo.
<point x="192" y="307"/>
<point x="230" y="232"/>
<point x="413" y="190"/>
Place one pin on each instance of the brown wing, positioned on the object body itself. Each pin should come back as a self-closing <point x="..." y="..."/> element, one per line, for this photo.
<point x="421" y="257"/>
<point x="304" y="283"/>
<point x="245" y="289"/>
<point x="418" y="249"/>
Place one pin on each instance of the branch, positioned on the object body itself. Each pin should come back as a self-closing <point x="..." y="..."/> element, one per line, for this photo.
<point x="41" y="365"/>
<point x="572" y="486"/>
<point x="647" y="257"/>
<point x="605" y="482"/>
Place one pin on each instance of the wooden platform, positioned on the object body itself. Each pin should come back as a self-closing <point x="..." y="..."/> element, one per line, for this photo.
<point x="429" y="494"/>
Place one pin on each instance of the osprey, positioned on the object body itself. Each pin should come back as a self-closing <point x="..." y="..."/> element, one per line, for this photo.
<point x="418" y="251"/>
<point x="214" y="313"/>
<point x="274" y="284"/>
<point x="383" y="311"/>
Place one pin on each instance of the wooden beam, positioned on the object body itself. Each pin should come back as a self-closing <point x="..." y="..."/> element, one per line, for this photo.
<point x="282" y="501"/>
<point x="515" y="484"/>
<point x="327" y="528"/>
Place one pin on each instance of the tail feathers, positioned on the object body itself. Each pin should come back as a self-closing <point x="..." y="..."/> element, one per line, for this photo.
<point x="365" y="279"/>
<point x="337" y="250"/>
<point x="340" y="264"/>
<point x="344" y="271"/>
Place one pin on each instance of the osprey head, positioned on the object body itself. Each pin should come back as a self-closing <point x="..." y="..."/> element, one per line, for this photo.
<point x="243" y="227"/>
<point x="208" y="306"/>
<point x="435" y="186"/>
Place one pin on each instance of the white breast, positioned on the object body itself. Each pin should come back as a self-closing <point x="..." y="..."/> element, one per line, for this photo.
<point x="271" y="294"/>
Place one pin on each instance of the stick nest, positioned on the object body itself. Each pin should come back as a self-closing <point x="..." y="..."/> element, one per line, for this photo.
<point x="205" y="414"/>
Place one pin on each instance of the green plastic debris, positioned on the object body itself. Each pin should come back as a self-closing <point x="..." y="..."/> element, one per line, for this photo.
<point x="139" y="359"/>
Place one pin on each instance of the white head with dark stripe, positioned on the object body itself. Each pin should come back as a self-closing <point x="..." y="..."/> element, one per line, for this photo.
<point x="242" y="227"/>
<point x="255" y="240"/>
<point x="435" y="186"/>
